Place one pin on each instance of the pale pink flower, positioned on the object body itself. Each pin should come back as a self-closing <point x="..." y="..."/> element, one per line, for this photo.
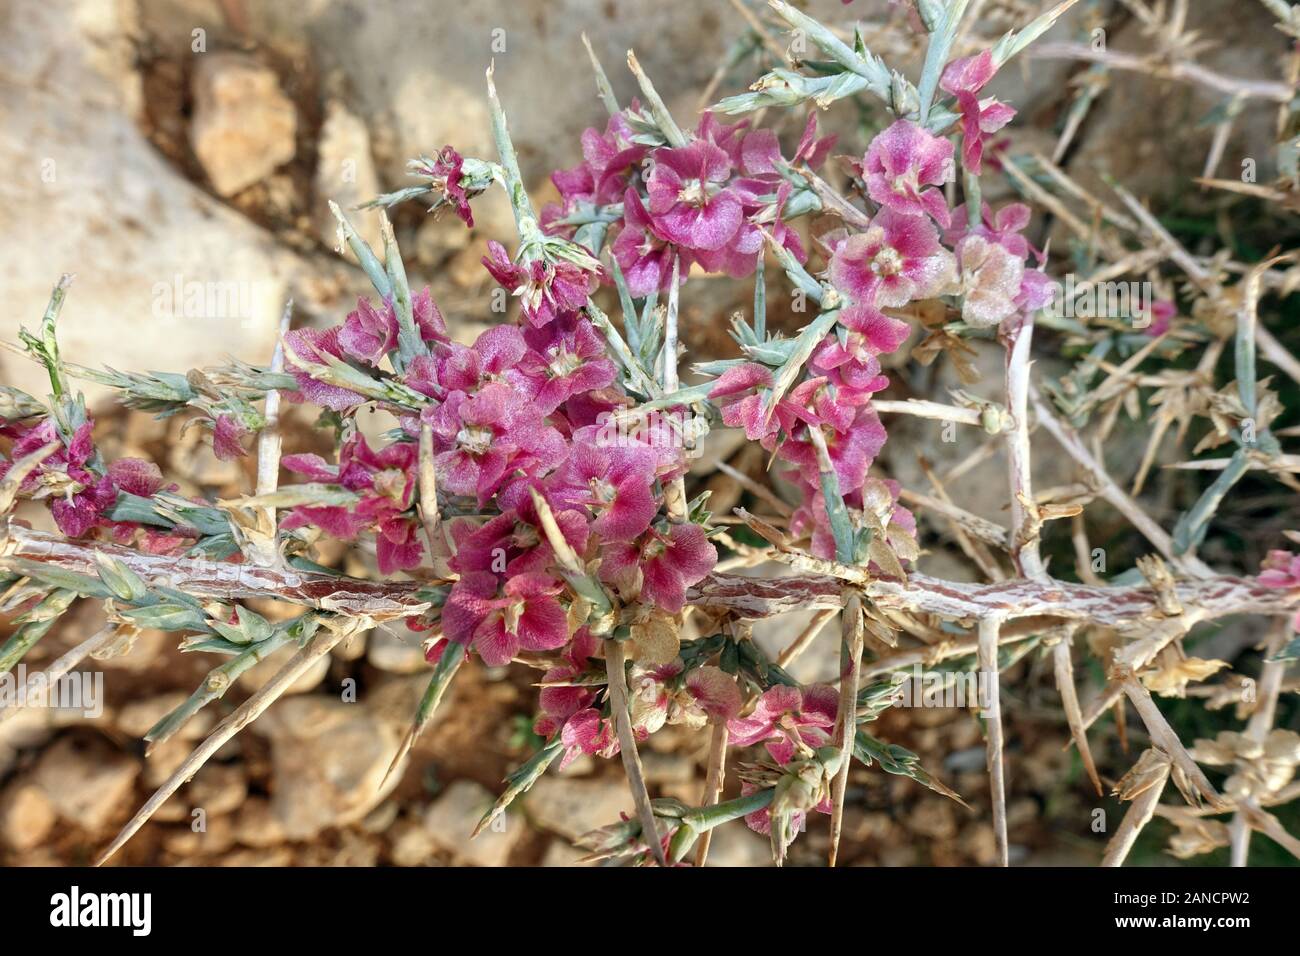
<point x="990" y="281"/>
<point x="786" y="719"/>
<point x="896" y="261"/>
<point x="901" y="162"/>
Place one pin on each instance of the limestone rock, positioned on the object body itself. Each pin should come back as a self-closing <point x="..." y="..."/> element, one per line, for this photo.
<point x="345" y="173"/>
<point x="26" y="816"/>
<point x="389" y="652"/>
<point x="88" y="782"/>
<point x="218" y="788"/>
<point x="264" y="670"/>
<point x="328" y="761"/>
<point x="243" y="125"/>
<point x="574" y="807"/>
<point x="454" y="815"/>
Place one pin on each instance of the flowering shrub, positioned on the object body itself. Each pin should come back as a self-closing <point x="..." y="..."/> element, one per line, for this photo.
<point x="540" y="521"/>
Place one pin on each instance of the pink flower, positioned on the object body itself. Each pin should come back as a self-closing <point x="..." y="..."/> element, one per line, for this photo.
<point x="811" y="150"/>
<point x="969" y="74"/>
<point x="901" y="162"/>
<point x="741" y="393"/>
<point x="481" y="438"/>
<point x="1162" y="315"/>
<point x="385" y="484"/>
<point x="227" y="432"/>
<point x="852" y="450"/>
<point x="428" y="317"/>
<point x="499" y="622"/>
<point x="587" y="732"/>
<point x="964" y="79"/>
<point x="136" y="476"/>
<point x="315" y="346"/>
<point x="609" y="159"/>
<point x="494" y="352"/>
<point x="546" y="289"/>
<point x="712" y="693"/>
<point x="445" y="174"/>
<point x="897" y="260"/>
<point x="563" y="359"/>
<point x="644" y="254"/>
<point x="1281" y="569"/>
<point x="852" y="367"/>
<point x="80" y="498"/>
<point x="1003" y="227"/>
<point x="880" y="333"/>
<point x="369" y="333"/>
<point x="786" y="718"/>
<point x="689" y="202"/>
<point x="990" y="281"/>
<point x="514" y="542"/>
<point x="616" y="484"/>
<point x="667" y="563"/>
<point x="558" y="704"/>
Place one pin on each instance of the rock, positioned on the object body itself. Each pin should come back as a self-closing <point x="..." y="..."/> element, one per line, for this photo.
<point x="243" y="125"/>
<point x="410" y="844"/>
<point x="378" y="820"/>
<point x="351" y="648"/>
<point x="574" y="807"/>
<point x="26" y="816"/>
<point x="345" y="173"/>
<point x="136" y="718"/>
<point x="329" y="761"/>
<point x="174" y="810"/>
<point x="89" y="783"/>
<point x="353" y="851"/>
<point x="675" y="768"/>
<point x="735" y="844"/>
<point x="217" y="836"/>
<point x="91" y="194"/>
<point x="264" y="670"/>
<point x="562" y="853"/>
<point x="257" y="826"/>
<point x="452" y="819"/>
<point x="389" y="652"/>
<point x="218" y="788"/>
<point x="279" y="856"/>
<point x="23" y="730"/>
<point x="163" y="759"/>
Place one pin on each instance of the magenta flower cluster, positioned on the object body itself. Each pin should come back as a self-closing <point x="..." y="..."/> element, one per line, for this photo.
<point x="519" y="413"/>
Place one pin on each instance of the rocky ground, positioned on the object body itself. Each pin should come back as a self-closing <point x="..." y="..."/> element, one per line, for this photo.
<point x="151" y="146"/>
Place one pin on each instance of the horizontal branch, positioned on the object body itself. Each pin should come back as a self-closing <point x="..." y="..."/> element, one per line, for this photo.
<point x="750" y="597"/>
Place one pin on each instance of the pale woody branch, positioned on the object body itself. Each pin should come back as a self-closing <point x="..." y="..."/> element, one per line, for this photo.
<point x="1120" y="607"/>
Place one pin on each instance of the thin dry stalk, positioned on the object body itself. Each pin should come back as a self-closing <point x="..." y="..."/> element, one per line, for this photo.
<point x="1139" y="814"/>
<point x="989" y="628"/>
<point x="245" y="714"/>
<point x="846" y="723"/>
